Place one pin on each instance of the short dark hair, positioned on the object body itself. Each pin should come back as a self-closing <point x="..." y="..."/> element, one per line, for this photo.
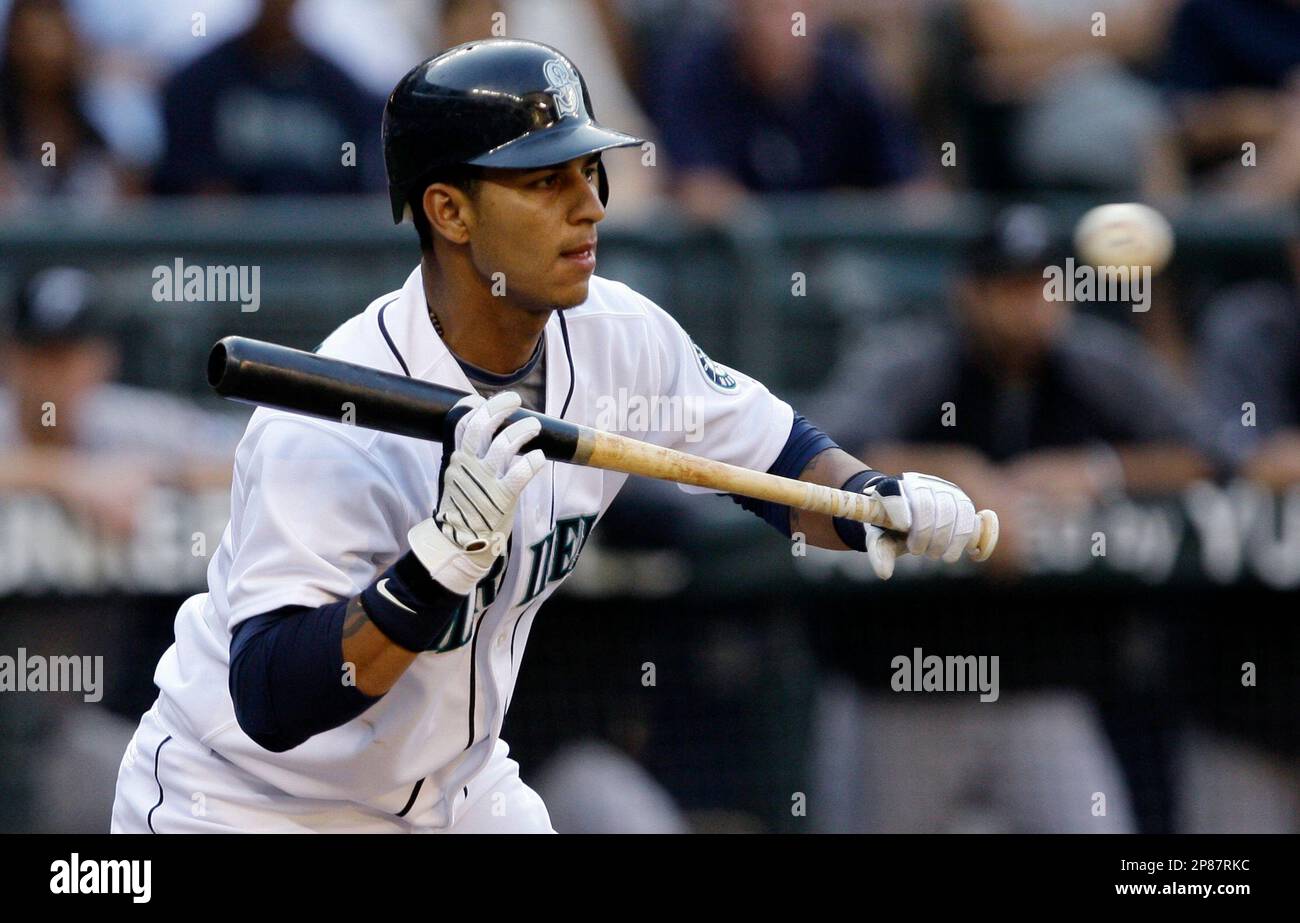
<point x="465" y="178"/>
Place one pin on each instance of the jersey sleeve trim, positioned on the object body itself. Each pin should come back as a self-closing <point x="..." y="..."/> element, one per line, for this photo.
<point x="383" y="328"/>
<point x="804" y="443"/>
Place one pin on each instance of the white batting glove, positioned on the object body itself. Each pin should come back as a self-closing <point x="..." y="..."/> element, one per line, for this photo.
<point x="481" y="485"/>
<point x="936" y="518"/>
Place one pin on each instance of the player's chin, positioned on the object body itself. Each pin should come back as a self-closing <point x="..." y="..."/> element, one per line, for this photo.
<point x="570" y="294"/>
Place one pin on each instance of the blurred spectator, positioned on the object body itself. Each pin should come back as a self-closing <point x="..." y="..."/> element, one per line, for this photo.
<point x="1046" y="401"/>
<point x="67" y="431"/>
<point x="264" y="114"/>
<point x="753" y="107"/>
<point x="1022" y="402"/>
<point x="650" y="32"/>
<point x="42" y="71"/>
<point x="1048" y="103"/>
<point x="134" y="49"/>
<point x="1029" y="763"/>
<point x="98" y="449"/>
<point x="1234" y="69"/>
<point x="590" y="33"/>
<point x="590" y="786"/>
<point x="1249" y="356"/>
<point x="1241" y="757"/>
<point x="900" y="34"/>
<point x="375" y="41"/>
<point x="909" y="49"/>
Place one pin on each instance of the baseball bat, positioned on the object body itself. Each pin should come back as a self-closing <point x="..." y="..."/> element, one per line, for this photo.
<point x="256" y="372"/>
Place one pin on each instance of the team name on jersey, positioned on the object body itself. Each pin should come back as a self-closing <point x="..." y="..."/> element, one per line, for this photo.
<point x="555" y="556"/>
<point x="461" y="628"/>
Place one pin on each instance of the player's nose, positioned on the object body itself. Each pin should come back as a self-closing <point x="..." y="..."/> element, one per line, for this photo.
<point x="588" y="206"/>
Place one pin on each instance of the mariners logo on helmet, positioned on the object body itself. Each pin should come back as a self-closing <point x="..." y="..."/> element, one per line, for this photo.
<point x="562" y="83"/>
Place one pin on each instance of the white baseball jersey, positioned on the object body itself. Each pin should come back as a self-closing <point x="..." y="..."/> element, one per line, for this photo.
<point x="320" y="509"/>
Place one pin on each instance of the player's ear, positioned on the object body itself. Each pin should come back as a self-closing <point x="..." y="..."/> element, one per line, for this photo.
<point x="450" y="212"/>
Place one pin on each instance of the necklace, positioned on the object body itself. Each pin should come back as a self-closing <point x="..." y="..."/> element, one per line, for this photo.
<point x="437" y="326"/>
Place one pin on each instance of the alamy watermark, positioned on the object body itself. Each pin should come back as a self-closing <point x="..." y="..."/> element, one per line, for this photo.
<point x="76" y="875"/>
<point x="37" y="673"/>
<point x="626" y="412"/>
<point x="179" y="282"/>
<point x="1085" y="282"/>
<point x="931" y="673"/>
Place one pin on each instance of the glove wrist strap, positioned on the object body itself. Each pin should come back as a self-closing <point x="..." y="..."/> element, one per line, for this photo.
<point x="851" y="532"/>
<point x="449" y="564"/>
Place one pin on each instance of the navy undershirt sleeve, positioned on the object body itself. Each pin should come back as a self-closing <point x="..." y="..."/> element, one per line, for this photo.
<point x="804" y="444"/>
<point x="286" y="675"/>
<point x="286" y="666"/>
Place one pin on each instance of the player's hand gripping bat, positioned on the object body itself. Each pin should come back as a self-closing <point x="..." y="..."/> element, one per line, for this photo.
<point x="256" y="372"/>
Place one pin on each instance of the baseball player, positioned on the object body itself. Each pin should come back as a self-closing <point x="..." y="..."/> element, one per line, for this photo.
<point x="351" y="664"/>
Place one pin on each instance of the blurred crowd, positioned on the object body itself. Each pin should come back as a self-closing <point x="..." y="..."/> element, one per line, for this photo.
<point x="1160" y="100"/>
<point x="1146" y="98"/>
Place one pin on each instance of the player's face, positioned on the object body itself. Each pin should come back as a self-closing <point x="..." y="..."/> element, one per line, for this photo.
<point x="1010" y="314"/>
<point x="62" y="373"/>
<point x="44" y="45"/>
<point x="538" y="228"/>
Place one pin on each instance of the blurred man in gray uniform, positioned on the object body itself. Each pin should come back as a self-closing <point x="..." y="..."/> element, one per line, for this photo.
<point x="1021" y="398"/>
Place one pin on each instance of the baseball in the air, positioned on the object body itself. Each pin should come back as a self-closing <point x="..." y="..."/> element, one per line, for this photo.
<point x="1124" y="234"/>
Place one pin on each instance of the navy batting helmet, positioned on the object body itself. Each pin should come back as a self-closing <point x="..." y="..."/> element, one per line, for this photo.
<point x="490" y="103"/>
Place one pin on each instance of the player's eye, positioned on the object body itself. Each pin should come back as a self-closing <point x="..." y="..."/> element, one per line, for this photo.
<point x="547" y="181"/>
